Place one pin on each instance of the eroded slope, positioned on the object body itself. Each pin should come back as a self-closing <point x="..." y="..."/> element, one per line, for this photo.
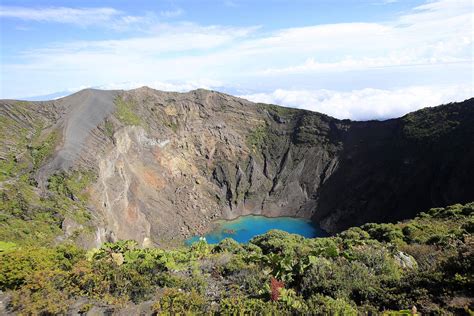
<point x="165" y="165"/>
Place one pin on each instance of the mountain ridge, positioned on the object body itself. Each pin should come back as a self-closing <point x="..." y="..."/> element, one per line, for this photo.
<point x="166" y="161"/>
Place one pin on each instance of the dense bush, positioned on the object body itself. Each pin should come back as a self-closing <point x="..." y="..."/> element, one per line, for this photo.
<point x="177" y="302"/>
<point x="18" y="264"/>
<point x="326" y="305"/>
<point x="426" y="262"/>
<point x="229" y="245"/>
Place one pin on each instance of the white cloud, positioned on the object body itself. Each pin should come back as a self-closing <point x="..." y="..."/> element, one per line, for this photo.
<point x="434" y="33"/>
<point x="172" y="13"/>
<point x="60" y="14"/>
<point x="161" y="85"/>
<point x="366" y="103"/>
<point x="178" y="53"/>
<point x="167" y="38"/>
<point x="106" y="17"/>
<point x="431" y="11"/>
<point x="310" y="65"/>
<point x="386" y="2"/>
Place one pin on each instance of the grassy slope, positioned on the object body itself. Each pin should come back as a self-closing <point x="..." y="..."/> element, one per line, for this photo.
<point x="28" y="217"/>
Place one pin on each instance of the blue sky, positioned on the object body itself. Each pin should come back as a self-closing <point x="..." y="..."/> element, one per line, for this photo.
<point x="353" y="59"/>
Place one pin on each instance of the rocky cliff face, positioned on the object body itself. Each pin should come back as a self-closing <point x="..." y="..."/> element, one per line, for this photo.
<point x="167" y="164"/>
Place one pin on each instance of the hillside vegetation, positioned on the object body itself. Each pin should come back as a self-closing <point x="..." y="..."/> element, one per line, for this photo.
<point x="136" y="172"/>
<point x="426" y="262"/>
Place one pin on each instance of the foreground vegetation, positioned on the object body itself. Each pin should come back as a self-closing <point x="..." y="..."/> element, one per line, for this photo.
<point x="426" y="262"/>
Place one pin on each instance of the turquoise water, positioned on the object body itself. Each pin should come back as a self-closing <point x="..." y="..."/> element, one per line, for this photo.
<point x="245" y="228"/>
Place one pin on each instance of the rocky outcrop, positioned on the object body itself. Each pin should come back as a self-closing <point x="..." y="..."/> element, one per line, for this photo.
<point x="168" y="164"/>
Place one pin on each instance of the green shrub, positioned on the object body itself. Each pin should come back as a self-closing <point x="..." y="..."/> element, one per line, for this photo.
<point x="468" y="226"/>
<point x="324" y="247"/>
<point x="126" y="112"/>
<point x="19" y="263"/>
<point x="112" y="283"/>
<point x="108" y="128"/>
<point x="201" y="248"/>
<point x="257" y="137"/>
<point x="340" y="279"/>
<point x="279" y="242"/>
<point x="45" y="293"/>
<point x="326" y="305"/>
<point x="378" y="260"/>
<point x="384" y="232"/>
<point x="238" y="305"/>
<point x="40" y="152"/>
<point x="354" y="236"/>
<point x="178" y="302"/>
<point x="71" y="185"/>
<point x="249" y="279"/>
<point x="229" y="245"/>
<point x="235" y="264"/>
<point x="5" y="245"/>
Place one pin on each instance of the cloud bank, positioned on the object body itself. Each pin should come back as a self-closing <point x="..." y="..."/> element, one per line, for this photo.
<point x="365" y="104"/>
